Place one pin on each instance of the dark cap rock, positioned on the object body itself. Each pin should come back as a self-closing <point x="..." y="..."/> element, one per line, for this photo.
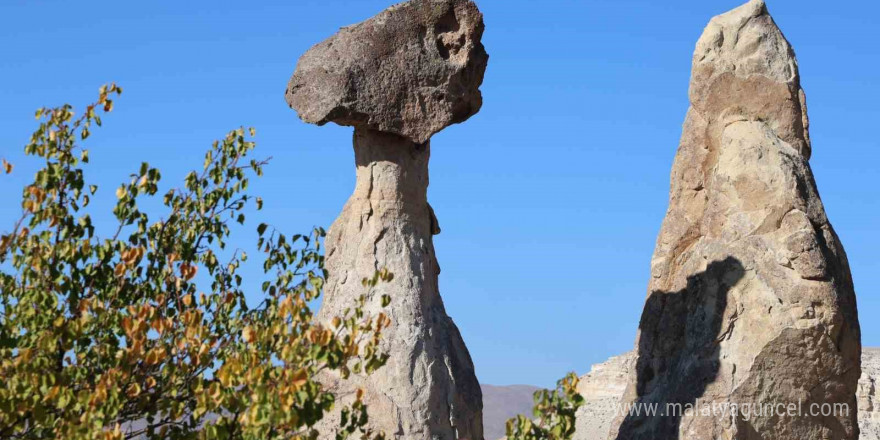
<point x="412" y="70"/>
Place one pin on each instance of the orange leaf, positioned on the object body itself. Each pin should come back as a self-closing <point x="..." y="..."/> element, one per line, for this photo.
<point x="188" y="271"/>
<point x="299" y="379"/>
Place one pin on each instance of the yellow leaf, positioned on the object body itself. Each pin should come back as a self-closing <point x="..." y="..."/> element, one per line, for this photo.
<point x="203" y="350"/>
<point x="154" y="356"/>
<point x="52" y="393"/>
<point x="326" y="336"/>
<point x="352" y="349"/>
<point x="7" y="167"/>
<point x="383" y="321"/>
<point x="134" y="390"/>
<point x="223" y="375"/>
<point x="248" y="334"/>
<point x="120" y="192"/>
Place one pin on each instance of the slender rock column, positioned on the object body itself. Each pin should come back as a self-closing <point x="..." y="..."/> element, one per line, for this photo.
<point x="398" y="78"/>
<point x="751" y="308"/>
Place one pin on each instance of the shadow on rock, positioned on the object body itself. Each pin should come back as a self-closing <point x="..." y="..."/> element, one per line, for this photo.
<point x="678" y="352"/>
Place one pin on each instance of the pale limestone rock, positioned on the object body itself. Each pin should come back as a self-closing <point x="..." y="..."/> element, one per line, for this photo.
<point x="398" y="78"/>
<point x="751" y="298"/>
<point x="604" y="386"/>
<point x="602" y="389"/>
<point x="869" y="395"/>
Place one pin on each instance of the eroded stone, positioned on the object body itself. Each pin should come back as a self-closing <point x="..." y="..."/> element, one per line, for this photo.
<point x="751" y="298"/>
<point x="398" y="78"/>
<point x="412" y="70"/>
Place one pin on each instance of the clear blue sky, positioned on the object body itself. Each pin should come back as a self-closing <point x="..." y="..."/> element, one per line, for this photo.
<point x="550" y="198"/>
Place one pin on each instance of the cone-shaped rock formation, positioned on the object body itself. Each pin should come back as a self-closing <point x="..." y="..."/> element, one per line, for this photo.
<point x="751" y="300"/>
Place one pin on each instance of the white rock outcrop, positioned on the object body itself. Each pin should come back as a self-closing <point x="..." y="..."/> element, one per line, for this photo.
<point x="603" y="388"/>
<point x="868" y="395"/>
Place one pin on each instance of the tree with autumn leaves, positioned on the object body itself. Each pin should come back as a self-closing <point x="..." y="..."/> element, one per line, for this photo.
<point x="553" y="416"/>
<point x="145" y="332"/>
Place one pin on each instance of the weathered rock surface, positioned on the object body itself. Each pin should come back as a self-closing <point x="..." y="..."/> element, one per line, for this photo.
<point x="751" y="298"/>
<point x="603" y="389"/>
<point x="412" y="70"/>
<point x="868" y="395"/>
<point x="428" y="389"/>
<point x="398" y="78"/>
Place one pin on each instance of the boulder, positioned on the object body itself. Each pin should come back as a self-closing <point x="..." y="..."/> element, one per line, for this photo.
<point x="412" y="70"/>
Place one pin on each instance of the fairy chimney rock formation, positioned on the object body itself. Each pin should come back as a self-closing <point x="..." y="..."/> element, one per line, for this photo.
<point x="399" y="78"/>
<point x="751" y="300"/>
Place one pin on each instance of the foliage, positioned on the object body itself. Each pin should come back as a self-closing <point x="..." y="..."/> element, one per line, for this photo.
<point x="554" y="414"/>
<point x="147" y="333"/>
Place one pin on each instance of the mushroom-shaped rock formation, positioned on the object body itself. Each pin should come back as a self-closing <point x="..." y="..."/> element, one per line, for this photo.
<point x="412" y="70"/>
<point x="398" y="78"/>
<point x="751" y="308"/>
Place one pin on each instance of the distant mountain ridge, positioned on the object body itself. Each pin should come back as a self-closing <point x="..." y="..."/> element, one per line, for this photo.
<point x="501" y="403"/>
